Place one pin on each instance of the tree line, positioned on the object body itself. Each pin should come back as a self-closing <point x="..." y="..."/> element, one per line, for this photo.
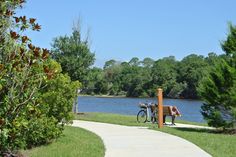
<point x="211" y="78"/>
<point x="179" y="79"/>
<point x="136" y="78"/>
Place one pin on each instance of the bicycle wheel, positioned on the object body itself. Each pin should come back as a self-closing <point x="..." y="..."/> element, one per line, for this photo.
<point x="142" y="116"/>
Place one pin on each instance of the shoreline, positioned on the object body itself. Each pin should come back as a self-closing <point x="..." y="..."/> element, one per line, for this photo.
<point x="105" y="96"/>
<point x="123" y="96"/>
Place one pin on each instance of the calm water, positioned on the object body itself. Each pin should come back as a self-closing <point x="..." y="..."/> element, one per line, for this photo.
<point x="190" y="109"/>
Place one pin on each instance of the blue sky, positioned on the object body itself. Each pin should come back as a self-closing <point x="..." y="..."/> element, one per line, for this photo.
<point x="122" y="29"/>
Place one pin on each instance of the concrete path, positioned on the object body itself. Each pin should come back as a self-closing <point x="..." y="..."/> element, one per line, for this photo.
<point x="127" y="141"/>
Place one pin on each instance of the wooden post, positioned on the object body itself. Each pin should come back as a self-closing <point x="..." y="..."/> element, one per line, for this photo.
<point x="160" y="107"/>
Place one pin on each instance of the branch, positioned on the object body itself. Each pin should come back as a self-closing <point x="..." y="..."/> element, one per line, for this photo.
<point x="23" y="103"/>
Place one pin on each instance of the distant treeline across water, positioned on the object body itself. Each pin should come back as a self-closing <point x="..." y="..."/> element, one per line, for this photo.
<point x="140" y="78"/>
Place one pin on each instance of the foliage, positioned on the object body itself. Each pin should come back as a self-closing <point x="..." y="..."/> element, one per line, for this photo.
<point x="218" y="89"/>
<point x="191" y="70"/>
<point x="229" y="45"/>
<point x="28" y="80"/>
<point x="73" y="54"/>
<point x="134" y="78"/>
<point x="41" y="130"/>
<point x="20" y="78"/>
<point x="101" y="87"/>
<point x="141" y="78"/>
<point x="94" y="75"/>
<point x="58" y="95"/>
<point x="164" y="75"/>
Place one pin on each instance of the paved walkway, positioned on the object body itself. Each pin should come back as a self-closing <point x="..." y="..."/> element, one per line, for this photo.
<point x="127" y="141"/>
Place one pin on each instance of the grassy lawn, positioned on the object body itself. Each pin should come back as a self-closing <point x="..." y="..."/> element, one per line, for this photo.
<point x="74" y="142"/>
<point x="216" y="144"/>
<point x="123" y="119"/>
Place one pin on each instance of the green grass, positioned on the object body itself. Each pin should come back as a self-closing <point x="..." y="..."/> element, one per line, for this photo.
<point x="123" y="119"/>
<point x="75" y="142"/>
<point x="213" y="142"/>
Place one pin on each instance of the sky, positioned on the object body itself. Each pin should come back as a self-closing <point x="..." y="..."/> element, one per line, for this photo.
<point x="123" y="29"/>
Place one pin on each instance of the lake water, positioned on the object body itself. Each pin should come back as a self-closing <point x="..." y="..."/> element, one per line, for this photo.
<point x="190" y="109"/>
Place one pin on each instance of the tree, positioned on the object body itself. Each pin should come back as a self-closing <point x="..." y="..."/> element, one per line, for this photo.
<point x="109" y="64"/>
<point x="218" y="89"/>
<point x="73" y="54"/>
<point x="164" y="74"/>
<point x="229" y="46"/>
<point x="134" y="61"/>
<point x="190" y="71"/>
<point x="148" y="62"/>
<point x="101" y="87"/>
<point x="112" y="74"/>
<point x="134" y="78"/>
<point x="211" y="58"/>
<point x="26" y="71"/>
<point x="94" y="75"/>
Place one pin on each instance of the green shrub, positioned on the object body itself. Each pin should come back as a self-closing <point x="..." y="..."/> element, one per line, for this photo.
<point x="58" y="97"/>
<point x="35" y="98"/>
<point x="41" y="130"/>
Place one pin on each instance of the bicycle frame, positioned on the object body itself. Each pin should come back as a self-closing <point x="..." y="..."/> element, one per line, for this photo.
<point x="146" y="108"/>
<point x="148" y="113"/>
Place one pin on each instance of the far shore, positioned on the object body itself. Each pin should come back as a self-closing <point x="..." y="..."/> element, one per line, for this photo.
<point x="123" y="96"/>
<point x="105" y="96"/>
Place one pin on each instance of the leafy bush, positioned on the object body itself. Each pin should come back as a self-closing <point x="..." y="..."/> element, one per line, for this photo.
<point x="35" y="98"/>
<point x="41" y="130"/>
<point x="58" y="96"/>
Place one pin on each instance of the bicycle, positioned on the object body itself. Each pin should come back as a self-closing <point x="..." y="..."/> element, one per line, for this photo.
<point x="143" y="114"/>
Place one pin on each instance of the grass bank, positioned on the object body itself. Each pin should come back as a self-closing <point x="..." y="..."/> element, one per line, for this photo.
<point x="213" y="142"/>
<point x="74" y="142"/>
<point x="124" y="119"/>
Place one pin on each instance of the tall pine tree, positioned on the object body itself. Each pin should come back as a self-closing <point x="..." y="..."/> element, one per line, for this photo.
<point x="218" y="88"/>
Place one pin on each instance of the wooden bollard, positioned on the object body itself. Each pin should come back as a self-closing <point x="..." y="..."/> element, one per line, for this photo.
<point x="160" y="107"/>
